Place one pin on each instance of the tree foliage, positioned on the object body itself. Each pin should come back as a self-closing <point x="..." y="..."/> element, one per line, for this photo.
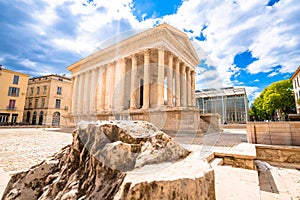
<point x="276" y="100"/>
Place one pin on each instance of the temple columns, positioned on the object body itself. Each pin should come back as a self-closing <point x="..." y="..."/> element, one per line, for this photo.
<point x="103" y="88"/>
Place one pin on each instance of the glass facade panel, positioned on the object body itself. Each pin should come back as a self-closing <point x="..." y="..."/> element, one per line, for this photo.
<point x="232" y="108"/>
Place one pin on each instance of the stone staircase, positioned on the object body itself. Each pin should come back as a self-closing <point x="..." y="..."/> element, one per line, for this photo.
<point x="235" y="173"/>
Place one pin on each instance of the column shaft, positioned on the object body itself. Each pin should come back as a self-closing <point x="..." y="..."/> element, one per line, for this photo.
<point x="193" y="88"/>
<point x="102" y="87"/>
<point x="146" y="100"/>
<point x="177" y="84"/>
<point x="93" y="92"/>
<point x="86" y="94"/>
<point x="170" y="81"/>
<point x="133" y="83"/>
<point x="119" y="85"/>
<point x="160" y="78"/>
<point x="80" y="94"/>
<point x="98" y="90"/>
<point x="108" y="87"/>
<point x="183" y="86"/>
<point x="112" y="92"/>
<point x="189" y="86"/>
<point x="122" y="83"/>
<point x="75" y="95"/>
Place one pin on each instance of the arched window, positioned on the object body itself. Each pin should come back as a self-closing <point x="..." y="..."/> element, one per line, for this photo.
<point x="34" y="118"/>
<point x="28" y="117"/>
<point x="41" y="117"/>
<point x="56" y="119"/>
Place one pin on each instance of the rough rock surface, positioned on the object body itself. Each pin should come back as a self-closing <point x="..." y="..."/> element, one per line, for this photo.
<point x="116" y="160"/>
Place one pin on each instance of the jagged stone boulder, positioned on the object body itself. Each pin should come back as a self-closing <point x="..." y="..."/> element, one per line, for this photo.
<point x="116" y="160"/>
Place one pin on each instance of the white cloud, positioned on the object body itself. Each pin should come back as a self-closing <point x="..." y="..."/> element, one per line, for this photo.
<point x="272" y="74"/>
<point x="28" y="63"/>
<point x="278" y="39"/>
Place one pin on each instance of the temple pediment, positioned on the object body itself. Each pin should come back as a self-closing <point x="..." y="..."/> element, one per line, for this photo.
<point x="163" y="37"/>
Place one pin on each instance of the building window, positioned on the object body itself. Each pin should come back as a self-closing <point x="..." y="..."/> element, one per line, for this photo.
<point x="14" y="118"/>
<point x="57" y="103"/>
<point x="13" y="91"/>
<point x="45" y="89"/>
<point x="16" y="79"/>
<point x="11" y="105"/>
<point x="38" y="90"/>
<point x="31" y="90"/>
<point x="60" y="79"/>
<point x="43" y="103"/>
<point x="29" y="103"/>
<point x="59" y="89"/>
<point x="36" y="103"/>
<point x="4" y="117"/>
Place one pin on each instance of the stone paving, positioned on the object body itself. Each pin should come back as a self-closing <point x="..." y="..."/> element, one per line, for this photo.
<point x="23" y="148"/>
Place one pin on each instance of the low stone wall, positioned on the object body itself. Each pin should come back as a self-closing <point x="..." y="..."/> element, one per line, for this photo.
<point x="281" y="154"/>
<point x="233" y="126"/>
<point x="274" y="133"/>
<point x="210" y="122"/>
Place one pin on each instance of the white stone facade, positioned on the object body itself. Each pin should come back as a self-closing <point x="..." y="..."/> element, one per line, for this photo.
<point x="151" y="72"/>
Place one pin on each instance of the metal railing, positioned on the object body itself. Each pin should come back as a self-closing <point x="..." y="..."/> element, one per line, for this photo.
<point x="11" y="108"/>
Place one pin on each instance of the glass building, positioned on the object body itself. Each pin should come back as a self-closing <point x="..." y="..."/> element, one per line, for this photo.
<point x="231" y="103"/>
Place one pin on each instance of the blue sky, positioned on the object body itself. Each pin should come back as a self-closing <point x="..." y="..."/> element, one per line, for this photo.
<point x="241" y="43"/>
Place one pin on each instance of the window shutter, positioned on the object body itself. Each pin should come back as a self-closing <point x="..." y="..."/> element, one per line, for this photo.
<point x="18" y="91"/>
<point x="9" y="91"/>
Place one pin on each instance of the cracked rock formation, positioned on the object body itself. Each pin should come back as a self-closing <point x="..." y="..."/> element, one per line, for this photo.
<point x="116" y="160"/>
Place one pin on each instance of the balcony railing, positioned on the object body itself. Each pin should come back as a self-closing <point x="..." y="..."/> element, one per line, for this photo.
<point x="11" y="108"/>
<point x="13" y="94"/>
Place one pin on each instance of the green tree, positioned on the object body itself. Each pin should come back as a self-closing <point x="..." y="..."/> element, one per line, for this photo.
<point x="276" y="100"/>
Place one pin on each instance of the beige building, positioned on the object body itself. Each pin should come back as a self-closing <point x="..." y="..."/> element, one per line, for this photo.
<point x="13" y="86"/>
<point x="150" y="76"/>
<point x="296" y="85"/>
<point x="47" y="100"/>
